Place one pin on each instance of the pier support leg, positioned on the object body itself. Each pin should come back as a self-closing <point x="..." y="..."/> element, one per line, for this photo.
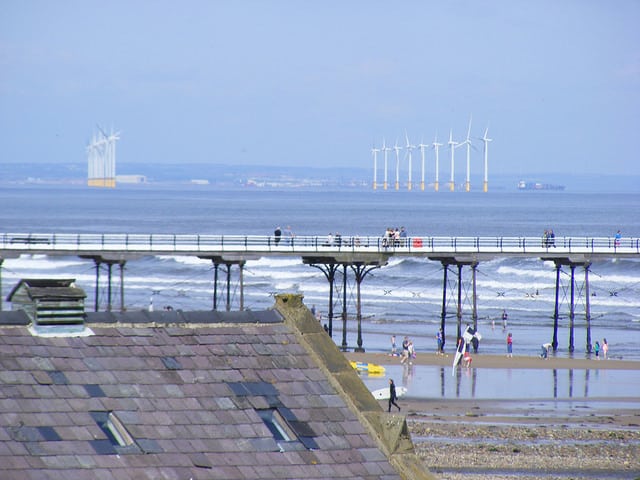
<point x="1" y="296"/>
<point x="554" y="342"/>
<point x="96" y="300"/>
<point x="241" y="266"/>
<point x="572" y="309"/>
<point x="459" y="309"/>
<point x="443" y="314"/>
<point x="587" y="311"/>
<point x="215" y="285"/>
<point x="109" y="270"/>
<point x="344" y="307"/>
<point x="360" y="271"/>
<point x="474" y="312"/>
<point x="228" y="305"/>
<point x="329" y="270"/>
<point x="121" y="265"/>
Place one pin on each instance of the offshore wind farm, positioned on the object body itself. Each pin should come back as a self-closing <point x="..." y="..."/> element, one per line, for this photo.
<point x="430" y="175"/>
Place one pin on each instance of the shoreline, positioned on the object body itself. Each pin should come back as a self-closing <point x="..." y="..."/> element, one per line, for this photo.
<point x="500" y="361"/>
<point x="528" y="439"/>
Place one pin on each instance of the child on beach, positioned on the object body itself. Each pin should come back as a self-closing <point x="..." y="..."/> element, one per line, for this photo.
<point x="509" y="345"/>
<point x="596" y="349"/>
<point x="605" y="348"/>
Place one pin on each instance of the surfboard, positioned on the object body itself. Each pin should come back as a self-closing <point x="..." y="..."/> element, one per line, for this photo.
<point x="383" y="393"/>
<point x="456" y="359"/>
<point x="368" y="367"/>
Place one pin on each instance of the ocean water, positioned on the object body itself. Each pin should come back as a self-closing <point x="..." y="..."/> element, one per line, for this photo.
<point x="402" y="298"/>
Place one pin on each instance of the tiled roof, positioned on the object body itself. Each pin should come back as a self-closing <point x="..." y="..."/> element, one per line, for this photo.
<point x="190" y="389"/>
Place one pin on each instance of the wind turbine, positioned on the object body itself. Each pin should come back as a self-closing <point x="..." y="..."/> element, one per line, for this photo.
<point x="375" y="151"/>
<point x="486" y="140"/>
<point x="467" y="142"/>
<point x="385" y="149"/>
<point x="422" y="146"/>
<point x="397" y="149"/>
<point x="409" y="149"/>
<point x="452" y="147"/>
<point x="436" y="146"/>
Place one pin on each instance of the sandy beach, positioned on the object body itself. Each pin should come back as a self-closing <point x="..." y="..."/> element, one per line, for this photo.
<point x="480" y="439"/>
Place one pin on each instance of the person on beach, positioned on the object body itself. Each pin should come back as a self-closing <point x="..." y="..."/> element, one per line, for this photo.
<point x="509" y="345"/>
<point x="605" y="348"/>
<point x="405" y="350"/>
<point x="596" y="349"/>
<point x="466" y="359"/>
<point x="411" y="353"/>
<point x="505" y="316"/>
<point x="392" y="395"/>
<point x="545" y="350"/>
<point x="439" y="340"/>
<point x="393" y="345"/>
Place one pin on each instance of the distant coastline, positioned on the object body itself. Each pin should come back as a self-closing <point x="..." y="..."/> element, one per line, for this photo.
<point x="287" y="177"/>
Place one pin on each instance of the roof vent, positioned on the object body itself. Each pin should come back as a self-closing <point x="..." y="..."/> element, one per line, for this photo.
<point x="54" y="306"/>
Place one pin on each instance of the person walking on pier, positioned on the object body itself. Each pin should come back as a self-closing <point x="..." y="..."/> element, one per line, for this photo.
<point x="509" y="345"/>
<point x="277" y="233"/>
<point x="392" y="395"/>
<point x="617" y="239"/>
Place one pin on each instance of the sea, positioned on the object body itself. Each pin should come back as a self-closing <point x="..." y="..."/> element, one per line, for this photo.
<point x="403" y="298"/>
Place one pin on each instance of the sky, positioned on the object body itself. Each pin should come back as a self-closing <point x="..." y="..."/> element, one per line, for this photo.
<point x="321" y="83"/>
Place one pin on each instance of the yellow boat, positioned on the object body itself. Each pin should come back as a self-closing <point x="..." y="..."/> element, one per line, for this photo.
<point x="368" y="367"/>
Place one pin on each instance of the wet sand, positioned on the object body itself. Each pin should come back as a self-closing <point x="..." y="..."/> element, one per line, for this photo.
<point x="525" y="439"/>
<point x="501" y="361"/>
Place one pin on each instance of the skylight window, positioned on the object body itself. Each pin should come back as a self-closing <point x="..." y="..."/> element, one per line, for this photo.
<point x="277" y="425"/>
<point x="117" y="435"/>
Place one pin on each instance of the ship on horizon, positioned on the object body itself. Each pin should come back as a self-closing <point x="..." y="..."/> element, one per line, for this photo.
<point x="524" y="185"/>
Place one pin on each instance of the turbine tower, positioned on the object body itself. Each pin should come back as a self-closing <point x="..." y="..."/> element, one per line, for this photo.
<point x="409" y="149"/>
<point x="467" y="142"/>
<point x="436" y="146"/>
<point x="486" y="140"/>
<point x="101" y="156"/>
<point x="452" y="147"/>
<point x="375" y="151"/>
<point x="385" y="149"/>
<point x="422" y="146"/>
<point x="397" y="149"/>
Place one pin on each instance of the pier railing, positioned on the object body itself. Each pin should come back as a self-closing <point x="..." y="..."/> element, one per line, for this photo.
<point x="193" y="244"/>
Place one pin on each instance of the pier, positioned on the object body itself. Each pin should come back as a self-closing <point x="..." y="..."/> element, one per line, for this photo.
<point x="334" y="256"/>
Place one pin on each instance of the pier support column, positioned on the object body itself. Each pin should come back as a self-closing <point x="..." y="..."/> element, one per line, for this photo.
<point x="96" y="260"/>
<point x="228" y="303"/>
<point x="1" y="296"/>
<point x="228" y="261"/>
<point x="474" y="311"/>
<point x="587" y="299"/>
<point x="344" y="307"/>
<point x="215" y="285"/>
<point x="109" y="270"/>
<point x="459" y="303"/>
<point x="360" y="270"/>
<point x="556" y="313"/>
<point x="443" y="313"/>
<point x="572" y="309"/>
<point x="241" y="267"/>
<point x="121" y="264"/>
<point x="329" y="270"/>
